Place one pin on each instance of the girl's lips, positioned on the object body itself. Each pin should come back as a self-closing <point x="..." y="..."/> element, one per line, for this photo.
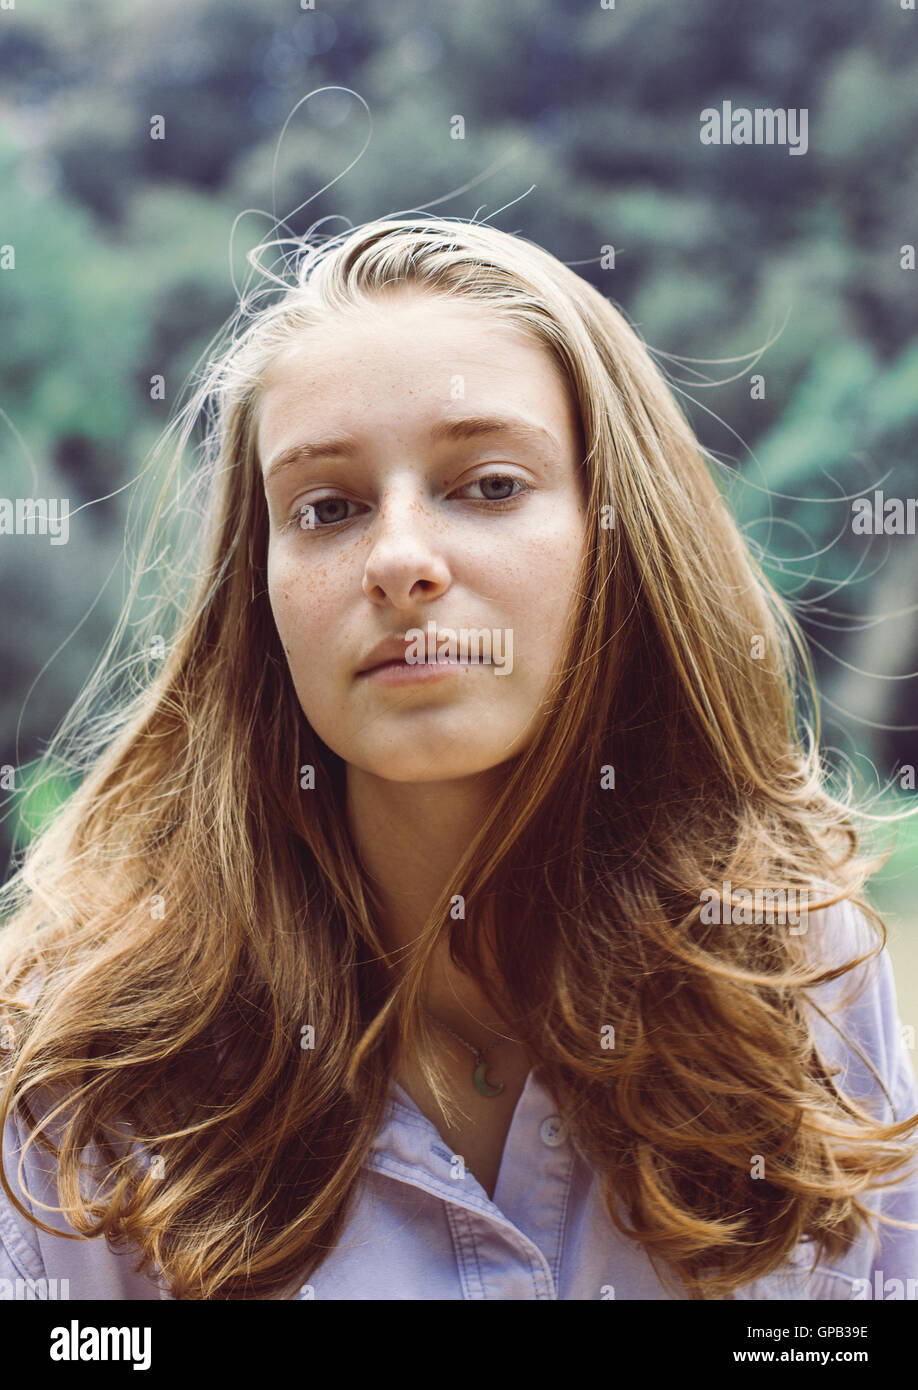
<point x="405" y="673"/>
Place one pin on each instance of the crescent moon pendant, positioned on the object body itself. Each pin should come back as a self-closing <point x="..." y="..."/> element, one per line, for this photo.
<point x="481" y="1084"/>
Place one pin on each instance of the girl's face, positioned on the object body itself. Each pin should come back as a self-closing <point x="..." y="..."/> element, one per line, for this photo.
<point x="438" y="459"/>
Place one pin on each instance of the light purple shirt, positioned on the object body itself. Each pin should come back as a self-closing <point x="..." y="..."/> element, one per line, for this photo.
<point x="422" y="1229"/>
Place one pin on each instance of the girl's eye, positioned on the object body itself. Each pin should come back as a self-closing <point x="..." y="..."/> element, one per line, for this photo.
<point x="314" y="516"/>
<point x="326" y="511"/>
<point x="500" y="480"/>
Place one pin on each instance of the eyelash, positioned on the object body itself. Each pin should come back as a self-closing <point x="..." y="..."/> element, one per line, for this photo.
<point x="483" y="501"/>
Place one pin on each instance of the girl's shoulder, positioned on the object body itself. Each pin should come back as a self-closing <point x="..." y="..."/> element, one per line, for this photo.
<point x="35" y="1263"/>
<point x="855" y="1017"/>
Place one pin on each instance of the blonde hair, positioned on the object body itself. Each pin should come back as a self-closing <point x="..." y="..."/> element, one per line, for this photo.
<point x="189" y="910"/>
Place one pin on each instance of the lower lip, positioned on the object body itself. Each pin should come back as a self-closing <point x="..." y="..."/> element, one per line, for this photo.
<point x="419" y="672"/>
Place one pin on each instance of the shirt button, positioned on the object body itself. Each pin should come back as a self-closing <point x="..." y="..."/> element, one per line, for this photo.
<point x="553" y="1131"/>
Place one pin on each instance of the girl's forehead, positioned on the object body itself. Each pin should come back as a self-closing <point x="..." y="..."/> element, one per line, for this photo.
<point x="407" y="310"/>
<point x="491" y="358"/>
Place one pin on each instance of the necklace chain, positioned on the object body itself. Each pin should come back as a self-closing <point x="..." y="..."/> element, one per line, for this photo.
<point x="479" y="1076"/>
<point x="480" y="1052"/>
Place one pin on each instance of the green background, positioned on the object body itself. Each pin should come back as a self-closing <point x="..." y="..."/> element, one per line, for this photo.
<point x="122" y="256"/>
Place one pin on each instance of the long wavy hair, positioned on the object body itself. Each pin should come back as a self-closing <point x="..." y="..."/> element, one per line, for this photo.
<point x="196" y="906"/>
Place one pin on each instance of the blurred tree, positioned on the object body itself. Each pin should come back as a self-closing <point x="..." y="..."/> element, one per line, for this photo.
<point x="122" y="250"/>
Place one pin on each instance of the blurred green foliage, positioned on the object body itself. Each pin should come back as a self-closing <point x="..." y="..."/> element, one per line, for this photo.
<point x="122" y="254"/>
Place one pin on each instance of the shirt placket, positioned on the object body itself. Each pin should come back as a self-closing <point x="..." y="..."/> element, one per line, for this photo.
<point x="509" y="1248"/>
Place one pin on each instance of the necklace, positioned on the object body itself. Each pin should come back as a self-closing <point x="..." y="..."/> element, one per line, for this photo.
<point x="478" y="1077"/>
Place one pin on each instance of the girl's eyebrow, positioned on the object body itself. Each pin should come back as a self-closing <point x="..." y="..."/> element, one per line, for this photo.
<point x="346" y="446"/>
